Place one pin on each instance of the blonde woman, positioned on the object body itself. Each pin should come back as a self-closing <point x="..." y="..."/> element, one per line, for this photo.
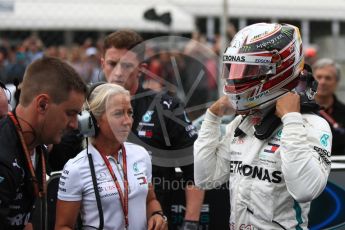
<point x="109" y="183"/>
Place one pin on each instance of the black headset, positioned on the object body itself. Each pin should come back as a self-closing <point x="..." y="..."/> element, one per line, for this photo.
<point x="87" y="123"/>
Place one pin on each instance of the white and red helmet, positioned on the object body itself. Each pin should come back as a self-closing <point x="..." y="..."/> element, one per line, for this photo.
<point x="262" y="63"/>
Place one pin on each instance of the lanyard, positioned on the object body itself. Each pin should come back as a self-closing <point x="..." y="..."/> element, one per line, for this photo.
<point x="329" y="118"/>
<point x="37" y="191"/>
<point x="123" y="196"/>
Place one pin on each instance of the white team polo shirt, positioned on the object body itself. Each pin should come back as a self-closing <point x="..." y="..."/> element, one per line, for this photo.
<point x="76" y="185"/>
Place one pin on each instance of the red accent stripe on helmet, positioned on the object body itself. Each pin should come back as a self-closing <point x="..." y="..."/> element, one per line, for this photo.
<point x="273" y="82"/>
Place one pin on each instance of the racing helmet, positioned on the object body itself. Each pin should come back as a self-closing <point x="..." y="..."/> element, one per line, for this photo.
<point x="262" y="63"/>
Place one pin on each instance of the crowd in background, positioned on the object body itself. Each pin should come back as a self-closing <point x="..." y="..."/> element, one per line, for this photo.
<point x="166" y="66"/>
<point x="176" y="70"/>
<point x="15" y="57"/>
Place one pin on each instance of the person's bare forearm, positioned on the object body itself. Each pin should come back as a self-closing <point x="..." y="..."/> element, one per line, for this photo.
<point x="152" y="204"/>
<point x="194" y="201"/>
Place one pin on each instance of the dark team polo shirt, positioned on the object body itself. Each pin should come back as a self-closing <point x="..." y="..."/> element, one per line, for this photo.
<point x="337" y="112"/>
<point x="162" y="126"/>
<point x="16" y="190"/>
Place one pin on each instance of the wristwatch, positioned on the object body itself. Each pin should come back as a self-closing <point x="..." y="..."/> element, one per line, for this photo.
<point x="160" y="212"/>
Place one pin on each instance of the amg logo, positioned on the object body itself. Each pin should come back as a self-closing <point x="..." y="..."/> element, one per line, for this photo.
<point x="233" y="58"/>
<point x="255" y="172"/>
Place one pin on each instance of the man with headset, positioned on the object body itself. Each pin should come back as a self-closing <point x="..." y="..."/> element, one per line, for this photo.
<point x="52" y="95"/>
<point x="122" y="62"/>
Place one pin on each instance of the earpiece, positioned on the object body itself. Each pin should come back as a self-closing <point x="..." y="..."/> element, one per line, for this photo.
<point x="43" y="106"/>
<point x="87" y="123"/>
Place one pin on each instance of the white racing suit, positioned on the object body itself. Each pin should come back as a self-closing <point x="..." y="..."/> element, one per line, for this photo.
<point x="272" y="181"/>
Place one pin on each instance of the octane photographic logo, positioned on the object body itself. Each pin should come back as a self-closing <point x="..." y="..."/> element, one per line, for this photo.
<point x="185" y="69"/>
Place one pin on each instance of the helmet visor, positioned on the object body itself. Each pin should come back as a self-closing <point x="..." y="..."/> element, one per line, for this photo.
<point x="240" y="76"/>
